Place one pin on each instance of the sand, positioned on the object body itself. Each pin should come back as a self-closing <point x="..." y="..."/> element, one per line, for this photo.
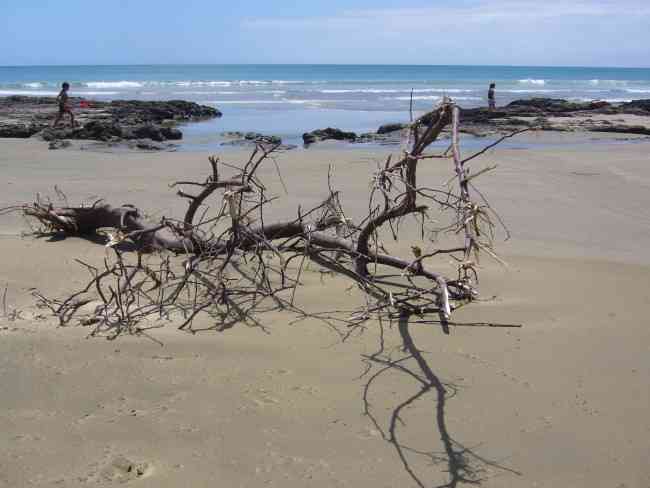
<point x="562" y="401"/>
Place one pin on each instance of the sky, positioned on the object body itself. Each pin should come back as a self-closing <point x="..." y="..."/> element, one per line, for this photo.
<point x="484" y="32"/>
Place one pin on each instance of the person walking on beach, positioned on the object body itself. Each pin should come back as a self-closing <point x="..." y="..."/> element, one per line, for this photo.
<point x="491" y="102"/>
<point x="64" y="105"/>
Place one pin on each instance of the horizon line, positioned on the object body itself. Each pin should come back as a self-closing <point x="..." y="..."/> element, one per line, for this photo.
<point x="326" y="64"/>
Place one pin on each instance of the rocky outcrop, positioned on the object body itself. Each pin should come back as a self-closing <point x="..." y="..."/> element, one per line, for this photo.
<point x="536" y="112"/>
<point x="22" y="117"/>
<point x="544" y="114"/>
<point x="139" y="112"/>
<point x="18" y="130"/>
<point x="149" y="145"/>
<point x="553" y="106"/>
<point x="329" y="133"/>
<point x="636" y="106"/>
<point x="153" y="132"/>
<point x="388" y="128"/>
<point x="249" y="138"/>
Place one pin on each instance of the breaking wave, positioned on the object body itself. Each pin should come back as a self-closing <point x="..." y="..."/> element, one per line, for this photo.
<point x="530" y="90"/>
<point x="113" y="84"/>
<point x="29" y="92"/>
<point x="531" y="81"/>
<point x="429" y="97"/>
<point x="615" y="83"/>
<point x="387" y="90"/>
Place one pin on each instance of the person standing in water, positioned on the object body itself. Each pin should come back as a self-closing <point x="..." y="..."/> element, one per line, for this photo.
<point x="491" y="101"/>
<point x="64" y="105"/>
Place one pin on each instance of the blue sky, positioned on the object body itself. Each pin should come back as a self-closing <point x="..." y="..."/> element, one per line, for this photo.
<point x="511" y="32"/>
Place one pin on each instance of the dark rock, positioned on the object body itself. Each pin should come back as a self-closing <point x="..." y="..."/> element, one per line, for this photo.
<point x="385" y="139"/>
<point x="96" y="130"/>
<point x="147" y="131"/>
<point x="257" y="137"/>
<point x="599" y="104"/>
<point x="622" y="129"/>
<point x="101" y="131"/>
<point x="514" y="121"/>
<point x="387" y="128"/>
<point x="54" y="133"/>
<point x="233" y="135"/>
<point x="27" y="100"/>
<point x="249" y="139"/>
<point x="23" y="116"/>
<point x="261" y="138"/>
<point x="555" y="105"/>
<point x="149" y="145"/>
<point x="328" y="133"/>
<point x="171" y="133"/>
<point x="18" y="131"/>
<point x="308" y="138"/>
<point x="271" y="140"/>
<point x="640" y="105"/>
<point x="157" y="111"/>
<point x="536" y="112"/>
<point x="480" y="115"/>
<point x="59" y="144"/>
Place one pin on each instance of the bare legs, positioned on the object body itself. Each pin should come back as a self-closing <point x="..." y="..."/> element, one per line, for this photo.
<point x="59" y="117"/>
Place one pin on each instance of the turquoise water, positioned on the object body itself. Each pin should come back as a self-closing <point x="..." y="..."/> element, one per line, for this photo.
<point x="290" y="99"/>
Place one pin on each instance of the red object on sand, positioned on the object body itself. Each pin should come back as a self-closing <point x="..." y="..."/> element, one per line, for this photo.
<point x="84" y="104"/>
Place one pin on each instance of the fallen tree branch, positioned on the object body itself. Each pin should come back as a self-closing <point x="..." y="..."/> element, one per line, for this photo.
<point x="215" y="241"/>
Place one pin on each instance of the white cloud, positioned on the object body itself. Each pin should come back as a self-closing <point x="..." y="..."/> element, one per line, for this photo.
<point x="550" y="32"/>
<point x="488" y="12"/>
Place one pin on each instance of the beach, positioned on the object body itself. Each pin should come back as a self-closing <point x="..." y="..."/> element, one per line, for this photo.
<point x="561" y="401"/>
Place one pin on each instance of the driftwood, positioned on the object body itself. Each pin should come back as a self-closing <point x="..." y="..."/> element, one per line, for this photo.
<point x="204" y="254"/>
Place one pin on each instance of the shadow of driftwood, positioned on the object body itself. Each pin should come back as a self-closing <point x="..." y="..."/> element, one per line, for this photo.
<point x="462" y="465"/>
<point x="255" y="294"/>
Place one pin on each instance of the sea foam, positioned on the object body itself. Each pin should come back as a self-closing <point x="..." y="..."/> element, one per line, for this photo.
<point x="395" y="90"/>
<point x="609" y="82"/>
<point x="40" y="93"/>
<point x="113" y="84"/>
<point x="92" y="93"/>
<point x="245" y="102"/>
<point x="430" y="97"/>
<point x="531" y="81"/>
<point x="199" y="83"/>
<point x="530" y="90"/>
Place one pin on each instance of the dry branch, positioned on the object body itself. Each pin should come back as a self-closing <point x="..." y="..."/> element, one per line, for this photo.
<point x="226" y="260"/>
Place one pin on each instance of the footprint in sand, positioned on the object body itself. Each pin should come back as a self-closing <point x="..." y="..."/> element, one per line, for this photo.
<point x="260" y="396"/>
<point x="277" y="372"/>
<point x="265" y="400"/>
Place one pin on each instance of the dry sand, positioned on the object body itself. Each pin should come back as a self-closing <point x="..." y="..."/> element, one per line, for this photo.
<point x="562" y="402"/>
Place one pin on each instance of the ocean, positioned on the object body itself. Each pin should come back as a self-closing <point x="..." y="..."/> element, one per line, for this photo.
<point x="288" y="100"/>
